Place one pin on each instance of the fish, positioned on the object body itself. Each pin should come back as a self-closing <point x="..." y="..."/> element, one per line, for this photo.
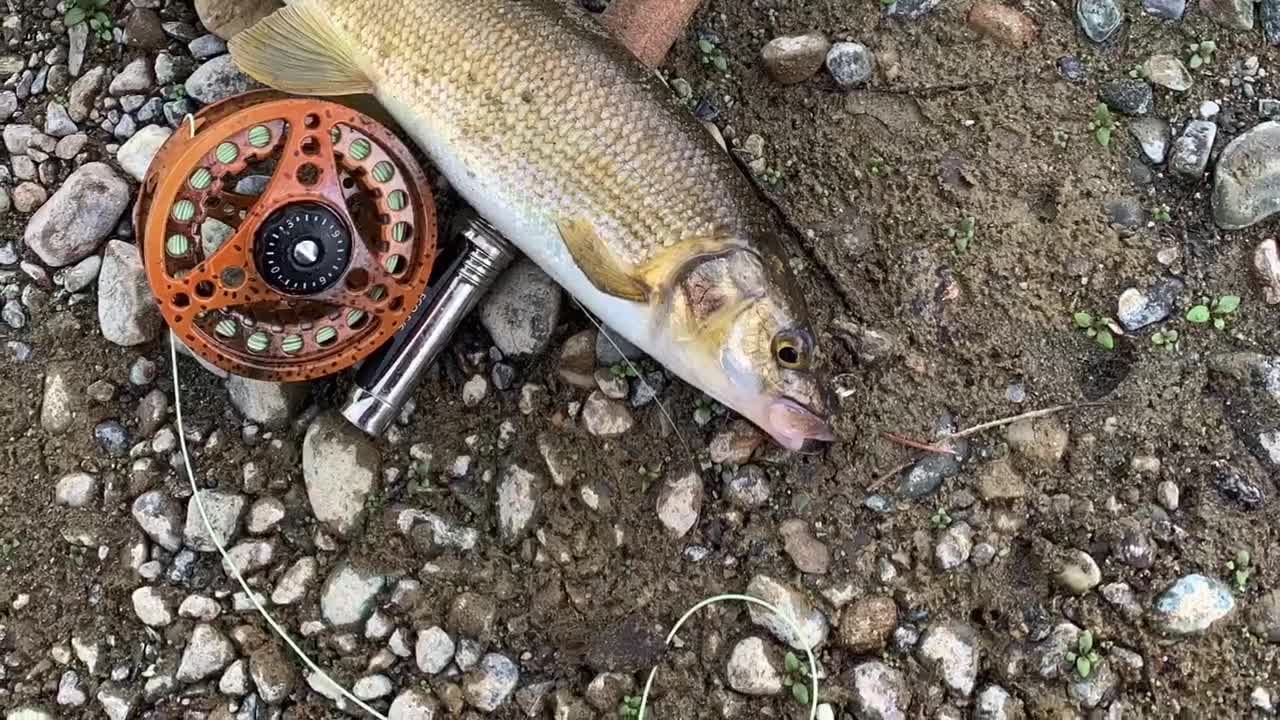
<point x="580" y="155"/>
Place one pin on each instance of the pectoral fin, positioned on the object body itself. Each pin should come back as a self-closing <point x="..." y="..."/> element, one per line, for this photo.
<point x="297" y="49"/>
<point x="604" y="269"/>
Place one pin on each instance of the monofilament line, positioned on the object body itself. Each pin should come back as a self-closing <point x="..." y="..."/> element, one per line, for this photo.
<point x="226" y="559"/>
<point x="813" y="662"/>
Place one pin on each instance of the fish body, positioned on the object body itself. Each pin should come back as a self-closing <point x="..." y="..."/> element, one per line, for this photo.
<point x="583" y="158"/>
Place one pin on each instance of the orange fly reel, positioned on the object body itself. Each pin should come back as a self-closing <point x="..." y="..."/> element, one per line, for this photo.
<point x="285" y="238"/>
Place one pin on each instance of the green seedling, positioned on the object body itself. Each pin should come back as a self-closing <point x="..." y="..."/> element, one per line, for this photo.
<point x="1138" y="71"/>
<point x="1216" y="311"/>
<point x="706" y="409"/>
<point x="1202" y="53"/>
<point x="92" y="12"/>
<point x="629" y="708"/>
<point x="1240" y="568"/>
<point x="887" y="3"/>
<point x="962" y="234"/>
<point x="711" y="55"/>
<point x="1102" y="330"/>
<point x="1085" y="657"/>
<point x="623" y="370"/>
<point x="1160" y="213"/>
<point x="879" y="168"/>
<point x="796" y="677"/>
<point x="940" y="519"/>
<point x="1167" y="339"/>
<point x="772" y="175"/>
<point x="1102" y="125"/>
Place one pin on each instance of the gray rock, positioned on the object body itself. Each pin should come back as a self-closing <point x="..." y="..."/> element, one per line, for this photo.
<point x="348" y="594"/>
<point x="29" y="197"/>
<point x="142" y="29"/>
<point x="434" y="650"/>
<point x="1079" y="574"/>
<point x="808" y="553"/>
<point x="1246" y="186"/>
<point x="135" y="154"/>
<point x="125" y="128"/>
<point x="604" y="417"/>
<point x="950" y="650"/>
<point x="522" y="310"/>
<point x="1041" y="442"/>
<point x="206" y="46"/>
<point x="218" y="79"/>
<point x="71" y="691"/>
<point x="76" y="490"/>
<point x="70" y="146"/>
<point x="152" y="411"/>
<point x="13" y="315"/>
<point x="127" y="311"/>
<point x="1266" y="270"/>
<point x="160" y="517"/>
<point x="28" y="712"/>
<point x="57" y="122"/>
<point x="489" y="685"/>
<point x="82" y="274"/>
<point x="995" y="703"/>
<point x="954" y="546"/>
<point x="879" y="692"/>
<point x="372" y="687"/>
<point x="1152" y="134"/>
<point x="1166" y="9"/>
<point x="296" y="582"/>
<point x="199" y="607"/>
<point x="112" y="438"/>
<point x="1232" y="14"/>
<point x="1099" y="18"/>
<point x="1136" y="549"/>
<point x="1264" y="617"/>
<point x="612" y="348"/>
<point x="234" y="680"/>
<point x="155" y="607"/>
<point x="340" y="468"/>
<point x="224" y="511"/>
<point x="264" y="516"/>
<point x="83" y="93"/>
<point x="1131" y="97"/>
<point x="207" y="653"/>
<point x="414" y="704"/>
<point x="58" y="408"/>
<point x="273" y="674"/>
<point x="1168" y="71"/>
<point x="811" y="623"/>
<point x="519" y="503"/>
<point x="269" y="404"/>
<point x="680" y="502"/>
<point x="1097" y="689"/>
<point x="8" y="105"/>
<point x="750" y="670"/>
<point x="1191" y="150"/>
<point x="747" y="488"/>
<point x="136" y="77"/>
<point x="117" y="702"/>
<point x="226" y="18"/>
<point x="793" y="59"/>
<point x="911" y="9"/>
<point x="80" y="214"/>
<point x="1191" y="605"/>
<point x="850" y="64"/>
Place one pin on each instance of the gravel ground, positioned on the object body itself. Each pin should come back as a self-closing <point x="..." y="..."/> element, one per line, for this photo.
<point x="996" y="209"/>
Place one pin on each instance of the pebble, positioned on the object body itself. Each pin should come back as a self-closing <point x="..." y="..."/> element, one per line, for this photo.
<point x="117" y="702"/>
<point x="812" y="624"/>
<point x="518" y="503"/>
<point x="1168" y="71"/>
<point x="269" y="404"/>
<point x="1131" y="97"/>
<point x="1137" y="309"/>
<point x="71" y="691"/>
<point x="474" y="391"/>
<point x="112" y="438"/>
<point x="434" y="650"/>
<point x="223" y="510"/>
<point x="1167" y="495"/>
<point x="1192" y="604"/>
<point x="1152" y="134"/>
<point x="1264" y="617"/>
<point x="522" y="309"/>
<point x="577" y="360"/>
<point x="1002" y="23"/>
<point x="850" y="64"/>
<point x="1079" y="574"/>
<point x="880" y="692"/>
<point x="748" y="488"/>
<point x="793" y="59"/>
<point x="13" y="315"/>
<point x="160" y="517"/>
<point x="809" y="554"/>
<point x="1072" y="69"/>
<point x="273" y="673"/>
<point x="1246" y="187"/>
<point x="57" y="122"/>
<point x="206" y="46"/>
<point x="995" y="703"/>
<point x="1097" y="689"/>
<point x="415" y="704"/>
<point x="340" y="468"/>
<point x="1232" y="14"/>
<point x="127" y="311"/>
<point x="613" y="386"/>
<point x="207" y="653"/>
<point x="735" y="444"/>
<point x="135" y="78"/>
<point x="604" y="417"/>
<point x="867" y="624"/>
<point x="28" y="197"/>
<point x="612" y="348"/>
<point x="199" y="607"/>
<point x="911" y="9"/>
<point x="82" y="274"/>
<point x="1266" y="270"/>
<point x="1136" y="549"/>
<point x="491" y="683"/>
<point x="750" y="670"/>
<point x="76" y="490"/>
<point x="680" y="502"/>
<point x="153" y="606"/>
<point x="1209" y="109"/>
<point x="225" y="18"/>
<point x="1166" y="9"/>
<point x="57" y="409"/>
<point x="1099" y="18"/>
<point x="136" y="153"/>
<point x="234" y="680"/>
<point x="950" y="651"/>
<point x="217" y="79"/>
<point x="72" y="223"/>
<point x="264" y="516"/>
<point x="1039" y="442"/>
<point x="348" y="594"/>
<point x="83" y="92"/>
<point x="954" y="546"/>
<point x="1260" y="699"/>
<point x="1191" y="150"/>
<point x="1236" y="487"/>
<point x="296" y="582"/>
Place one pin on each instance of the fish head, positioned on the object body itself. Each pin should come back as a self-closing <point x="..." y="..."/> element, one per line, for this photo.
<point x="756" y="349"/>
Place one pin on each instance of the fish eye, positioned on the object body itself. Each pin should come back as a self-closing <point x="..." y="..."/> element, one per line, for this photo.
<point x="790" y="351"/>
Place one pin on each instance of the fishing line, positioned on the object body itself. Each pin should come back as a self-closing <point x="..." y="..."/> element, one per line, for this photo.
<point x="813" y="662"/>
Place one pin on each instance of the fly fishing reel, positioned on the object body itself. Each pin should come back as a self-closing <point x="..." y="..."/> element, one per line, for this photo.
<point x="285" y="238"/>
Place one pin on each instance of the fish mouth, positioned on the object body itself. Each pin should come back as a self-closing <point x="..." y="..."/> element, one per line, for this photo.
<point x="797" y="428"/>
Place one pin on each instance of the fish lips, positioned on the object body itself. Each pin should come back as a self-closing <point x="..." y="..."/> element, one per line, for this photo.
<point x="797" y="428"/>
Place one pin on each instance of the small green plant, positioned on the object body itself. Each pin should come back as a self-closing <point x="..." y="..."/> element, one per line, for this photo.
<point x="1240" y="568"/>
<point x="962" y="234"/>
<point x="1167" y="339"/>
<point x="796" y="677"/>
<point x="940" y="519"/>
<point x="1060" y="137"/>
<point x="1216" y="311"/>
<point x="879" y="168"/>
<point x="887" y="3"/>
<point x="711" y="55"/>
<point x="1102" y="330"/>
<point x="772" y="175"/>
<point x="92" y="11"/>
<point x="1202" y="53"/>
<point x="1160" y="213"/>
<point x="623" y="370"/>
<point x="705" y="409"/>
<point x="629" y="708"/>
<point x="1102" y="125"/>
<point x="1085" y="657"/>
<point x="1138" y="71"/>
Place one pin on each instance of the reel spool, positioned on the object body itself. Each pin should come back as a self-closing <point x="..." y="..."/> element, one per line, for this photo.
<point x="288" y="238"/>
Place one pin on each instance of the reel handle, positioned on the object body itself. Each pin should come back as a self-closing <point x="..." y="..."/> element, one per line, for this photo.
<point x="388" y="377"/>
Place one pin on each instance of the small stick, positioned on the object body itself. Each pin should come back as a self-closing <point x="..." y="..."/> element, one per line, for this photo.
<point x="901" y="440"/>
<point x="1024" y="416"/>
<point x="875" y="484"/>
